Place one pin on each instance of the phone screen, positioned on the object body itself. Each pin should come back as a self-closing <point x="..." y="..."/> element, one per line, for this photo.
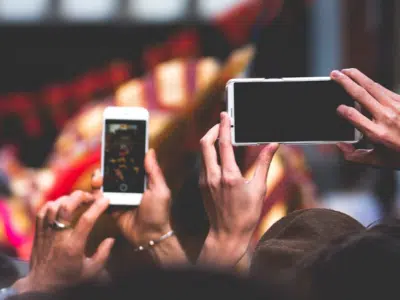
<point x="125" y="143"/>
<point x="290" y="112"/>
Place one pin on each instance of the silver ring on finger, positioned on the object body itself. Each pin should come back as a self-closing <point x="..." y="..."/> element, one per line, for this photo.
<point x="57" y="225"/>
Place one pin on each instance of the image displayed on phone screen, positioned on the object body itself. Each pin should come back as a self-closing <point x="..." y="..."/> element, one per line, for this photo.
<point x="124" y="148"/>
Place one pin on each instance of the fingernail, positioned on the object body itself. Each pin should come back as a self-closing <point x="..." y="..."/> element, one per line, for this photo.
<point x="342" y="109"/>
<point x="222" y="116"/>
<point x="336" y="74"/>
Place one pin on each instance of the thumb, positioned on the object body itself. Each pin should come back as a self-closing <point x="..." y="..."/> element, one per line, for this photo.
<point x="155" y="176"/>
<point x="263" y="163"/>
<point x="346" y="148"/>
<point x="97" y="180"/>
<point x="99" y="259"/>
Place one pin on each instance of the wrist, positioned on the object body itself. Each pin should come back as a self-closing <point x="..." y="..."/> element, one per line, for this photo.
<point x="164" y="247"/>
<point x="153" y="234"/>
<point x="223" y="249"/>
<point x="169" y="252"/>
<point x="24" y="285"/>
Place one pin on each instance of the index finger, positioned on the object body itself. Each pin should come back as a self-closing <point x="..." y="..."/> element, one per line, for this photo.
<point x="371" y="85"/>
<point x="361" y="122"/>
<point x="69" y="205"/>
<point x="227" y="154"/>
<point x="358" y="93"/>
<point x="264" y="161"/>
<point x="210" y="158"/>
<point x="88" y="219"/>
<point x="373" y="88"/>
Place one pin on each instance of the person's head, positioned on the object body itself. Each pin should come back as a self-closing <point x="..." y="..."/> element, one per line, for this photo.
<point x="156" y="284"/>
<point x="295" y="236"/>
<point x="360" y="265"/>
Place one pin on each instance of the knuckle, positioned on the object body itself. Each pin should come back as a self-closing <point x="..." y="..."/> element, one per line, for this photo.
<point x="380" y="134"/>
<point x="165" y="193"/>
<point x="360" y="93"/>
<point x="371" y="85"/>
<point x="42" y="212"/>
<point x="77" y="194"/>
<point x="224" y="142"/>
<point x="396" y="107"/>
<point x="204" y="142"/>
<point x="391" y="118"/>
<point x="63" y="199"/>
<point x="39" y="217"/>
<point x="213" y="182"/>
<point x="86" y="220"/>
<point x="230" y="179"/>
<point x="52" y="208"/>
<point x="353" y="71"/>
<point x="65" y="209"/>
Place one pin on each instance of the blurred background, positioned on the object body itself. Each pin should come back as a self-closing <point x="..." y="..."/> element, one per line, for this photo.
<point x="59" y="57"/>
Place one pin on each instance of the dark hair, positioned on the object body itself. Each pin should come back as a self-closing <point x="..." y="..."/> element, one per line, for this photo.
<point x="362" y="265"/>
<point x="167" y="284"/>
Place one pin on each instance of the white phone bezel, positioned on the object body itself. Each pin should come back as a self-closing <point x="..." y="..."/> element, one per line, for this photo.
<point x="131" y="114"/>
<point x="231" y="107"/>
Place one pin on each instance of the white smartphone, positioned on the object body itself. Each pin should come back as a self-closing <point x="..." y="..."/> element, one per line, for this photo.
<point x="289" y="110"/>
<point x="124" y="145"/>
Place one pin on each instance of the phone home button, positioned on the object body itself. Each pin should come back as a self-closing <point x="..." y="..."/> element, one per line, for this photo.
<point x="123" y="187"/>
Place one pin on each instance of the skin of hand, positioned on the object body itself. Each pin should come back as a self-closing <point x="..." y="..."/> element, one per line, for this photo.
<point x="151" y="219"/>
<point x="58" y="256"/>
<point x="233" y="204"/>
<point x="383" y="130"/>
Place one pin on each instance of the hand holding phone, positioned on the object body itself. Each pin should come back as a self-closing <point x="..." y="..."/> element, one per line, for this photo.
<point x="289" y="110"/>
<point x="384" y="127"/>
<point x="151" y="219"/>
<point x="124" y="144"/>
<point x="233" y="203"/>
